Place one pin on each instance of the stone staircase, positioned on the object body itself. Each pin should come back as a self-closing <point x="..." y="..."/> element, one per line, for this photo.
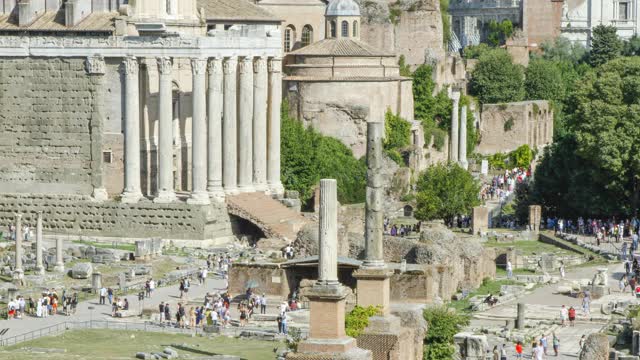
<point x="268" y="214"/>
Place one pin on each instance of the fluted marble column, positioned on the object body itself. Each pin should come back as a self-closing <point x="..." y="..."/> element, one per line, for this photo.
<point x="132" y="190"/>
<point x="214" y="135"/>
<point x="328" y="234"/>
<point x="229" y="128"/>
<point x="374" y="226"/>
<point x="463" y="138"/>
<point x="166" y="191"/>
<point x="199" y="193"/>
<point x="260" y="94"/>
<point x="39" y="267"/>
<point x="273" y="145"/>
<point x="245" y="126"/>
<point x="19" y="237"/>
<point x="453" y="153"/>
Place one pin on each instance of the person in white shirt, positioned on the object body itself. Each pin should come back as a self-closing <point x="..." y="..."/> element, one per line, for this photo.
<point x="103" y="295"/>
<point x="564" y="315"/>
<point x="538" y="352"/>
<point x="509" y="269"/>
<point x="263" y="304"/>
<point x="152" y="286"/>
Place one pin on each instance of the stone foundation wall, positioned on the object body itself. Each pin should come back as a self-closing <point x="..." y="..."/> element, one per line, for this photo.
<point x="79" y="216"/>
<point x="271" y="279"/>
<point x="45" y="126"/>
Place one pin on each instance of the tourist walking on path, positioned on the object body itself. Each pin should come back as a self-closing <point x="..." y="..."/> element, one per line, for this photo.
<point x="564" y="315"/>
<point x="585" y="305"/>
<point x="556" y="344"/>
<point x="496" y="353"/>
<point x="562" y="271"/>
<point x="263" y="304"/>
<point x="509" y="269"/>
<point x="544" y="343"/>
<point x="519" y="350"/>
<point x="572" y="316"/>
<point x="103" y="295"/>
<point x="538" y="351"/>
<point x="503" y="352"/>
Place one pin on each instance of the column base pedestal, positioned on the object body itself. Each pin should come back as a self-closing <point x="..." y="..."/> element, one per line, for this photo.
<point x="165" y="197"/>
<point x="262" y="187"/>
<point x="276" y="189"/>
<point x="246" y="188"/>
<point x="59" y="268"/>
<point x="373" y="287"/>
<point x="334" y="349"/>
<point x="231" y="191"/>
<point x="199" y="198"/>
<point x="39" y="270"/>
<point x="18" y="277"/>
<point x="100" y="194"/>
<point x="131" y="197"/>
<point x="216" y="193"/>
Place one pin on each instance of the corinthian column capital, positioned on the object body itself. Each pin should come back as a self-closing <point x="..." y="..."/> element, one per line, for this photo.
<point x="275" y="65"/>
<point x="246" y="65"/>
<point x="131" y="66"/>
<point x="164" y="65"/>
<point x="215" y="66"/>
<point x="198" y="66"/>
<point x="230" y="65"/>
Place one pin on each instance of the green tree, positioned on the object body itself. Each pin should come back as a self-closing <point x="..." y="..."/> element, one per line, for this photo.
<point x="605" y="45"/>
<point x="593" y="167"/>
<point x="544" y="81"/>
<point x="632" y="46"/>
<point x="397" y="131"/>
<point x="306" y="157"/>
<point x="443" y="325"/>
<point x="475" y="51"/>
<point x="563" y="49"/>
<point x="499" y="32"/>
<point x="496" y="79"/>
<point x="444" y="191"/>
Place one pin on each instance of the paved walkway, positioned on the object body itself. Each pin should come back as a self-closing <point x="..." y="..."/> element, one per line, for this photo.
<point x="103" y="312"/>
<point x="544" y="304"/>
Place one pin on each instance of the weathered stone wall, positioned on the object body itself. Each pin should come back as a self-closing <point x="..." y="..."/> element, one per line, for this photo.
<point x="341" y="108"/>
<point x="416" y="33"/>
<point x="45" y="127"/>
<point x="505" y="127"/>
<point x="79" y="216"/>
<point x="541" y="20"/>
<point x="264" y="275"/>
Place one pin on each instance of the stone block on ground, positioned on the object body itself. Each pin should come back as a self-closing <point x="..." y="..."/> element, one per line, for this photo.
<point x="596" y="347"/>
<point x="82" y="271"/>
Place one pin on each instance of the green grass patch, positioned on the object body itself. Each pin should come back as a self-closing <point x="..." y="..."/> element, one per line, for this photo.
<point x="117" y="344"/>
<point x="528" y="247"/>
<point x="502" y="272"/>
<point x="488" y="286"/>
<point x="125" y="247"/>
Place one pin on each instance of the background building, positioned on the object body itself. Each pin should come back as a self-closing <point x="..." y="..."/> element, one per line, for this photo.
<point x="579" y="17"/>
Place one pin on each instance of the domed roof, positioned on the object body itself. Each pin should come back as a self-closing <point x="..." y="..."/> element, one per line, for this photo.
<point x="343" y="8"/>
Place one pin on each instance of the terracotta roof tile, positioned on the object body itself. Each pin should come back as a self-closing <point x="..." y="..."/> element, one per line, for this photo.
<point x="340" y="47"/>
<point x="54" y="21"/>
<point x="234" y="10"/>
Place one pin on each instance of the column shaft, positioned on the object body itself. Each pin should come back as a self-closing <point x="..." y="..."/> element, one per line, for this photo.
<point x="39" y="267"/>
<point x="374" y="256"/>
<point x="463" y="138"/>
<point x="328" y="234"/>
<point x="245" y="125"/>
<point x="199" y="133"/>
<point x="166" y="191"/>
<point x="59" y="256"/>
<point x="273" y="145"/>
<point x="229" y="128"/>
<point x="19" y="237"/>
<point x="214" y="156"/>
<point x="453" y="154"/>
<point x="260" y="94"/>
<point x="132" y="191"/>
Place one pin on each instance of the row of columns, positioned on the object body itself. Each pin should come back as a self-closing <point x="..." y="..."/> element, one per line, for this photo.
<point x="458" y="144"/>
<point x="235" y="125"/>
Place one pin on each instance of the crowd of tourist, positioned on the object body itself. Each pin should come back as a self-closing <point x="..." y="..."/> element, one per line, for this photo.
<point x="48" y="304"/>
<point x="503" y="185"/>
<point x="27" y="232"/>
<point x="402" y="230"/>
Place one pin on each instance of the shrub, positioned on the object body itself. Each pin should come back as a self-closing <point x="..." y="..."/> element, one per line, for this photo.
<point x="358" y="319"/>
<point x="397" y="131"/>
<point x="498" y="161"/>
<point x="443" y="326"/>
<point x="508" y="124"/>
<point x="522" y="156"/>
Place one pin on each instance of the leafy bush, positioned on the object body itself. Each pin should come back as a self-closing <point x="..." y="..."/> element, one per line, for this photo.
<point x="395" y="155"/>
<point x="358" y="319"/>
<point x="443" y="326"/>
<point x="307" y="157"/>
<point x="444" y="191"/>
<point x="499" y="32"/>
<point x="498" y="161"/>
<point x="404" y="68"/>
<point x="397" y="131"/>
<point x="508" y="124"/>
<point x="475" y="51"/>
<point x="522" y="156"/>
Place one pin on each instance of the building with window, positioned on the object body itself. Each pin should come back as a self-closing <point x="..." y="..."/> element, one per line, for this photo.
<point x="303" y="20"/>
<point x="579" y="17"/>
